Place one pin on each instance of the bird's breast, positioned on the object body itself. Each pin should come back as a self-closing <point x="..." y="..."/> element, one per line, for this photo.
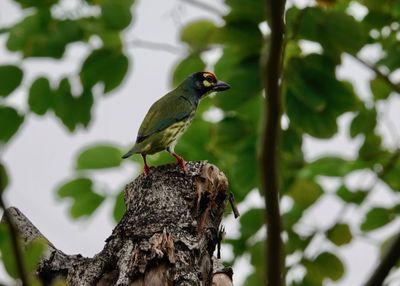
<point x="173" y="132"/>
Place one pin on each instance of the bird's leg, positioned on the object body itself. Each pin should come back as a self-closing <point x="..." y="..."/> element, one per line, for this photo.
<point x="180" y="161"/>
<point x="146" y="168"/>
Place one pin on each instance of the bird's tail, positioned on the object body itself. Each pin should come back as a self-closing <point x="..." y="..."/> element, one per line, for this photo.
<point x="130" y="152"/>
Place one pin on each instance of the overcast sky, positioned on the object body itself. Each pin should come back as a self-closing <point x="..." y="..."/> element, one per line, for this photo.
<point x="43" y="152"/>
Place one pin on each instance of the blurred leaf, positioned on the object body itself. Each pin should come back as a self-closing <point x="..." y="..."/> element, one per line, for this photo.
<point x="40" y="96"/>
<point x="12" y="120"/>
<point x="291" y="217"/>
<point x="245" y="36"/>
<point x="355" y="197"/>
<point x="33" y="253"/>
<point x="40" y="35"/>
<point x="340" y="234"/>
<point x="37" y="3"/>
<point x="116" y="14"/>
<point x="3" y="178"/>
<point x="326" y="265"/>
<point x="197" y="34"/>
<point x="376" y="218"/>
<point x="244" y="77"/>
<point x="296" y="242"/>
<point x="84" y="200"/>
<point x="336" y="31"/>
<point x="10" y="79"/>
<point x="99" y="157"/>
<point x="72" y="110"/>
<point x="330" y="166"/>
<point x="192" y="63"/>
<point x="313" y="97"/>
<point x="250" y="222"/>
<point x="106" y="66"/>
<point x="363" y="122"/>
<point x="305" y="192"/>
<point x="391" y="176"/>
<point x="371" y="148"/>
<point x="7" y="252"/>
<point x="380" y="89"/>
<point x="119" y="207"/>
<point x="253" y="11"/>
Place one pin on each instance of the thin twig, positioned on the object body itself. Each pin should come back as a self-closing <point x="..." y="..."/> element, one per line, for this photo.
<point x="389" y="260"/>
<point x="204" y="6"/>
<point x="380" y="74"/>
<point x="235" y="209"/>
<point x="14" y="241"/>
<point x="137" y="43"/>
<point x="269" y="182"/>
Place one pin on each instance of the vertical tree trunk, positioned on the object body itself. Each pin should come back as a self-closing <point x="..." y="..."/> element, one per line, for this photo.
<point x="167" y="235"/>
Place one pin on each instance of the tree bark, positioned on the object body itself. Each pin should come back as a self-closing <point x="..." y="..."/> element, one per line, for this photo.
<point x="167" y="235"/>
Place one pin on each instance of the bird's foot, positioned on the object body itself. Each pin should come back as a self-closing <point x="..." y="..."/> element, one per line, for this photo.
<point x="146" y="170"/>
<point x="181" y="162"/>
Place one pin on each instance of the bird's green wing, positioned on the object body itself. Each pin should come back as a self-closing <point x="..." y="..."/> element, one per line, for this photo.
<point x="163" y="113"/>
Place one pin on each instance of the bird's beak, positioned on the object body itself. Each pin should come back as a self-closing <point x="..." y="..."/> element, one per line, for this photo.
<point x="221" y="86"/>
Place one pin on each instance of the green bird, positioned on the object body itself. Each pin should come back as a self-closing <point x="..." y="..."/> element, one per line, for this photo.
<point x="170" y="116"/>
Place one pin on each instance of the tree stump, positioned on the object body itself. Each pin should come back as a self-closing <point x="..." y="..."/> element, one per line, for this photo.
<point x="167" y="235"/>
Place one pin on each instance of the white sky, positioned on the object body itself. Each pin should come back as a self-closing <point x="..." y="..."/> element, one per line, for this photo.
<point x="42" y="153"/>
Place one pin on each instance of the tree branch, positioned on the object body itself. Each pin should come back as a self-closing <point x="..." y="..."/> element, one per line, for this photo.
<point x="268" y="160"/>
<point x="389" y="259"/>
<point x="380" y="74"/>
<point x="138" y="43"/>
<point x="203" y="6"/>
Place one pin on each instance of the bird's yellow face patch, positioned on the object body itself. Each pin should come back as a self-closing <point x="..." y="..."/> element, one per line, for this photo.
<point x="209" y="79"/>
<point x="206" y="83"/>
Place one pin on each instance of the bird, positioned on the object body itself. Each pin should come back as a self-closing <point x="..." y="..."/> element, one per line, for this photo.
<point x="170" y="116"/>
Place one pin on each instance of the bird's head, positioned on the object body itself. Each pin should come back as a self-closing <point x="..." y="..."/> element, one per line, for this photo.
<point x="204" y="83"/>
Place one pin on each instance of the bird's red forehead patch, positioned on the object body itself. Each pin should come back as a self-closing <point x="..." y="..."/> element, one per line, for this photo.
<point x="209" y="74"/>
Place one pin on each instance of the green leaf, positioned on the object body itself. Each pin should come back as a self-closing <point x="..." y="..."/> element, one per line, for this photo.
<point x="380" y="89"/>
<point x="116" y="14"/>
<point x="313" y="97"/>
<point x="253" y="11"/>
<point x="72" y="110"/>
<point x="296" y="242"/>
<point x="3" y="178"/>
<point x="40" y="96"/>
<point x="99" y="157"/>
<point x="13" y="121"/>
<point x="336" y="31"/>
<point x="391" y="176"/>
<point x="363" y="122"/>
<point x="84" y="200"/>
<point x="245" y="36"/>
<point x="36" y="4"/>
<point x="371" y="148"/>
<point x="340" y="234"/>
<point x="326" y="265"/>
<point x="305" y="192"/>
<point x="192" y="63"/>
<point x="198" y="34"/>
<point x="119" y="207"/>
<point x="250" y="222"/>
<point x="7" y="253"/>
<point x="243" y="74"/>
<point x="33" y="253"/>
<point x="104" y="66"/>
<point x="10" y="79"/>
<point x="376" y="218"/>
<point x="40" y="35"/>
<point x="355" y="197"/>
<point x="330" y="166"/>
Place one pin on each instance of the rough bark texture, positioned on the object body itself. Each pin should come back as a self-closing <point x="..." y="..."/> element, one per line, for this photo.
<point x="167" y="236"/>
